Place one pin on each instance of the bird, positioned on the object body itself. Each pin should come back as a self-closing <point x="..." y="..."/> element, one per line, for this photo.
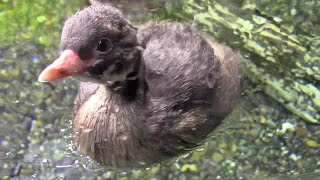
<point x="148" y="93"/>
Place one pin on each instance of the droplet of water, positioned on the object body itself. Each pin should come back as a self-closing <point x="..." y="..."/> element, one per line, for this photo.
<point x="45" y="161"/>
<point x="87" y="130"/>
<point x="8" y="154"/>
<point x="142" y="163"/>
<point x="35" y="59"/>
<point x="116" y="108"/>
<point x="293" y="11"/>
<point x="122" y="137"/>
<point x="4" y="143"/>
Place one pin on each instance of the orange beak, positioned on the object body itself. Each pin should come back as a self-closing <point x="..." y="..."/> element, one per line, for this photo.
<point x="68" y="64"/>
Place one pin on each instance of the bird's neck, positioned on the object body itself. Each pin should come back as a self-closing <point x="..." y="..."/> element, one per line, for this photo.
<point x="133" y="85"/>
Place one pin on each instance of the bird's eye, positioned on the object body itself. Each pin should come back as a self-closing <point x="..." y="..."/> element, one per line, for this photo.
<point x="104" y="45"/>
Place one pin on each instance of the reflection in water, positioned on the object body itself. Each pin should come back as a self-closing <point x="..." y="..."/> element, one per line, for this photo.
<point x="135" y="9"/>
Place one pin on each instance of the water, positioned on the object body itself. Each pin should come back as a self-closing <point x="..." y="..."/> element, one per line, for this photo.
<point x="262" y="138"/>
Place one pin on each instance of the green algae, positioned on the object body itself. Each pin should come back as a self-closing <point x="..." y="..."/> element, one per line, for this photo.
<point x="281" y="54"/>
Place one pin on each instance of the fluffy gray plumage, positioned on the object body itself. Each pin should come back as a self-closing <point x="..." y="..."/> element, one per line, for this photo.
<point x="177" y="88"/>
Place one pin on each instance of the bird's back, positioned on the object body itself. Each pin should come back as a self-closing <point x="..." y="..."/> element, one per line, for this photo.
<point x="179" y="64"/>
<point x="183" y="74"/>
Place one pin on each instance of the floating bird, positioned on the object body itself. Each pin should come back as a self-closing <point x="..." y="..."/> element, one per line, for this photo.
<point x="148" y="93"/>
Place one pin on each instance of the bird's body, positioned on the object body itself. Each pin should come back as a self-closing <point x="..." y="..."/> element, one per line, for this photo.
<point x="156" y="93"/>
